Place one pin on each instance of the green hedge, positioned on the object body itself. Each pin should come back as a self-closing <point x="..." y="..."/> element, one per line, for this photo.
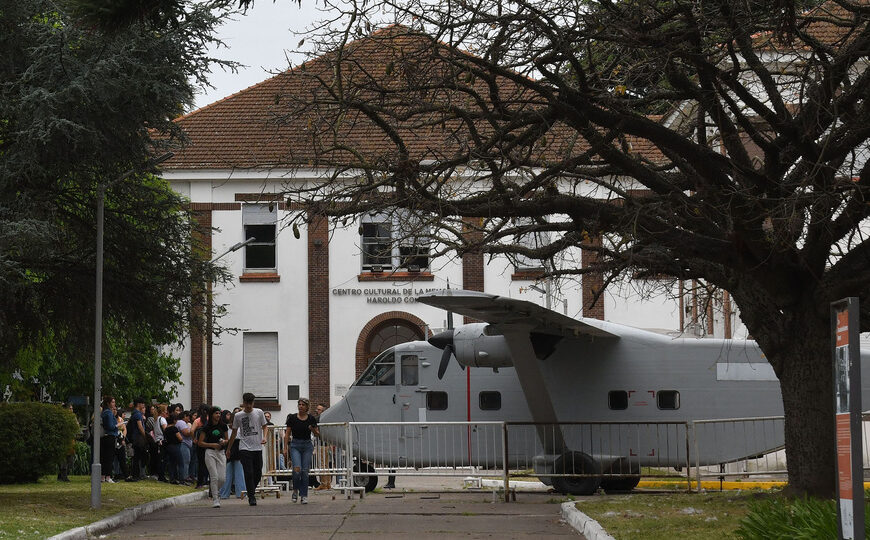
<point x="33" y="439"/>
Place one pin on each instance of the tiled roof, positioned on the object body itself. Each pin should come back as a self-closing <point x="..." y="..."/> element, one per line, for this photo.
<point x="262" y="126"/>
<point x="830" y="24"/>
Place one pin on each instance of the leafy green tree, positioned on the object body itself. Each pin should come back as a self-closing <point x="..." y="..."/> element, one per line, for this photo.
<point x="80" y="107"/>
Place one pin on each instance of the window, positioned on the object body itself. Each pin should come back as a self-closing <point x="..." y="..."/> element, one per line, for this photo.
<point x="436" y="401"/>
<point x="395" y="241"/>
<point x="381" y="372"/>
<point x="490" y="401"/>
<point x="530" y="240"/>
<point x="668" y="399"/>
<point x="260" y="223"/>
<point x="410" y="371"/>
<point x="260" y="361"/>
<point x="377" y="250"/>
<point x="617" y="400"/>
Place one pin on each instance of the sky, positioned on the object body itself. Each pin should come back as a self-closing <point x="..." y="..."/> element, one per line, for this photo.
<point x="259" y="40"/>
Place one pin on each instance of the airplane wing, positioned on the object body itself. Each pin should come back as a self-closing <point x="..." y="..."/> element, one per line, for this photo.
<point x="502" y="310"/>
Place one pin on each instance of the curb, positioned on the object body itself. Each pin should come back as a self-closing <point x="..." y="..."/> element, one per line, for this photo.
<point x="127" y="516"/>
<point x="584" y="524"/>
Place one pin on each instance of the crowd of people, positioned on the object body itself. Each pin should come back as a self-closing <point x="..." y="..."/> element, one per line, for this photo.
<point x="207" y="447"/>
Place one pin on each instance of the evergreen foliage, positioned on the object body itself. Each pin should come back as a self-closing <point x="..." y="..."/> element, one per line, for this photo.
<point x="34" y="437"/>
<point x="79" y="107"/>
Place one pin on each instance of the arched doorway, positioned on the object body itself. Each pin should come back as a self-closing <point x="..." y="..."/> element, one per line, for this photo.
<point x="385" y="331"/>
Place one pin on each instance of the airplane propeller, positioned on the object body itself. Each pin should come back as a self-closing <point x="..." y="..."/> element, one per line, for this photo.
<point x="444" y="341"/>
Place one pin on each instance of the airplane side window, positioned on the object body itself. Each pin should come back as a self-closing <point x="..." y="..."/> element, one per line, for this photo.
<point x="668" y="399"/>
<point x="436" y="401"/>
<point x="410" y="370"/>
<point x="490" y="401"/>
<point x="617" y="400"/>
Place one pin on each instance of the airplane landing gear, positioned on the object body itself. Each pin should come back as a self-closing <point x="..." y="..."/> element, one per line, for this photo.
<point x="370" y="482"/>
<point x="625" y="477"/>
<point x="576" y="463"/>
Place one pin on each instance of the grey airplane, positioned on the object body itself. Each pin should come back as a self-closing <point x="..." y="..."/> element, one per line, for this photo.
<point x="547" y="369"/>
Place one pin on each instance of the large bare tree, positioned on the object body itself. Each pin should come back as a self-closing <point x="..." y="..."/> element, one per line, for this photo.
<point x="724" y="141"/>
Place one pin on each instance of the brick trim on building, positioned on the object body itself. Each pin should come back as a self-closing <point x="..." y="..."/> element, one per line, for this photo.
<point x="592" y="283"/>
<point x="269" y="277"/>
<point x="376" y="324"/>
<point x="394" y="276"/>
<point x="318" y="309"/>
<point x="472" y="261"/>
<point x="259" y="197"/>
<point x="208" y="207"/>
<point x="201" y="344"/>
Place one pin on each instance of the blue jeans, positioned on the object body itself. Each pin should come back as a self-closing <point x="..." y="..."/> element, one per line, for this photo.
<point x="300" y="457"/>
<point x="235" y="475"/>
<point x="174" y="462"/>
<point x="185" y="462"/>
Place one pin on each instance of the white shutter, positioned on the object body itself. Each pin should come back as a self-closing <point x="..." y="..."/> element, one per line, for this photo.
<point x="259" y="214"/>
<point x="260" y="351"/>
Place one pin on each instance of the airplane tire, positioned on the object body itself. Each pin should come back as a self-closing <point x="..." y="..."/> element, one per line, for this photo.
<point x="370" y="482"/>
<point x="626" y="477"/>
<point x="578" y="463"/>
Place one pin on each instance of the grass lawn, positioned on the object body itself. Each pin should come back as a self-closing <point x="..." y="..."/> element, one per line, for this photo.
<point x="50" y="507"/>
<point x="664" y="516"/>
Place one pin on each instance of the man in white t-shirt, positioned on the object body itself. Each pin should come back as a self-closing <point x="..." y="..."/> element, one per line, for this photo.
<point x="249" y="426"/>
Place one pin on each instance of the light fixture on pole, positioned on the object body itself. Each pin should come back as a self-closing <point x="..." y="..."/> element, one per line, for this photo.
<point x="96" y="468"/>
<point x="206" y="331"/>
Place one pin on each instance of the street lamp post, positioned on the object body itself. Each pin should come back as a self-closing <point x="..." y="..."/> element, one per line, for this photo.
<point x="96" y="468"/>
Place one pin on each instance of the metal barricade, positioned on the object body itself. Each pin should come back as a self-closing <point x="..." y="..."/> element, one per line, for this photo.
<point x="739" y="447"/>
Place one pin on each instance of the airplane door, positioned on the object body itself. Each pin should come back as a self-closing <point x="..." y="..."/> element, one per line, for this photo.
<point x="411" y="400"/>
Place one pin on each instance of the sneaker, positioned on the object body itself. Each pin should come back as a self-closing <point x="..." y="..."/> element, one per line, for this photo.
<point x="109" y="481"/>
<point x="304" y="500"/>
<point x="294" y="496"/>
<point x="252" y="502"/>
<point x="216" y="503"/>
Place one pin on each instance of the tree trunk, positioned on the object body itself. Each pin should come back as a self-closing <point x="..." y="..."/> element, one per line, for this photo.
<point x="806" y="380"/>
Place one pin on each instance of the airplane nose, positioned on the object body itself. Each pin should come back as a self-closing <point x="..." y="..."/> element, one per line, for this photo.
<point x="442" y="339"/>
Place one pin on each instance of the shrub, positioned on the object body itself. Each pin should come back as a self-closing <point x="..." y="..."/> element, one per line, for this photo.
<point x="33" y="439"/>
<point x="791" y="519"/>
<point x="82" y="463"/>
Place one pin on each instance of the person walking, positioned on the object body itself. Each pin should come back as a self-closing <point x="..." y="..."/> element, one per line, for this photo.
<point x="213" y="440"/>
<point x="251" y="422"/>
<point x="235" y="476"/>
<point x="297" y="437"/>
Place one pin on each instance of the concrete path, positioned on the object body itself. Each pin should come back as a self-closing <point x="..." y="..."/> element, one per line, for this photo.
<point x="428" y="512"/>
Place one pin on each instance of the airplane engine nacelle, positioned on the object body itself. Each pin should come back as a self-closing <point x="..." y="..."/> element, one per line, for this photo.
<point x="475" y="348"/>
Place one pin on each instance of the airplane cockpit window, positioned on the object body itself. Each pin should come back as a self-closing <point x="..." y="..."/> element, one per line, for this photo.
<point x="668" y="399"/>
<point x="410" y="370"/>
<point x="381" y="372"/>
<point x="617" y="400"/>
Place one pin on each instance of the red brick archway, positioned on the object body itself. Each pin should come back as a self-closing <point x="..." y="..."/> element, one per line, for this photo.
<point x="398" y="318"/>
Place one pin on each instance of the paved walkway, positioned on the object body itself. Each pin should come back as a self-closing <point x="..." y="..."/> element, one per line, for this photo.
<point x="427" y="512"/>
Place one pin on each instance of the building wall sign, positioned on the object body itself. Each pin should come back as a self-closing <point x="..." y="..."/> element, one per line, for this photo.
<point x="384" y="295"/>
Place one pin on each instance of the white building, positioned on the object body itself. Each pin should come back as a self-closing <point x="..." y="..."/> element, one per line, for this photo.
<point x="313" y="310"/>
